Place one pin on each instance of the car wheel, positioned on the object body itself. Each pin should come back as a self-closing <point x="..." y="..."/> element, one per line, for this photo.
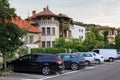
<point x="10" y="67"/>
<point x="74" y="66"/>
<point x="111" y="59"/>
<point x="87" y="63"/>
<point x="97" y="61"/>
<point x="46" y="70"/>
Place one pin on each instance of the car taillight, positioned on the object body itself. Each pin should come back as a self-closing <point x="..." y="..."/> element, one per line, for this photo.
<point x="94" y="58"/>
<point x="59" y="62"/>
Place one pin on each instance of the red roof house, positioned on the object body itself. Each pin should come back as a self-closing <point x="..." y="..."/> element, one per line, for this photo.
<point x="22" y="24"/>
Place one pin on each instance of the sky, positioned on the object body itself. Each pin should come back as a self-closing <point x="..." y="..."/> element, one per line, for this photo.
<point x="102" y="12"/>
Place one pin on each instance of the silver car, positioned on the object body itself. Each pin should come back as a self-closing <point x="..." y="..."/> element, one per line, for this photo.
<point x="89" y="57"/>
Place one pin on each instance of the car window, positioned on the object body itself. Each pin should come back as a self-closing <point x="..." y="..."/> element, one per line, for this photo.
<point x="74" y="56"/>
<point x="88" y="55"/>
<point x="25" y="58"/>
<point x="66" y="56"/>
<point x="82" y="55"/>
<point x="45" y="58"/>
<point x="94" y="54"/>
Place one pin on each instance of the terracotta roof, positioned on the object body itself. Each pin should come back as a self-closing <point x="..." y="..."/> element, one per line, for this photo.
<point x="45" y="12"/>
<point x="103" y="27"/>
<point x="25" y="25"/>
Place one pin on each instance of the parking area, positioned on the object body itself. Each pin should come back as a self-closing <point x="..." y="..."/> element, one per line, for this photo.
<point x="39" y="76"/>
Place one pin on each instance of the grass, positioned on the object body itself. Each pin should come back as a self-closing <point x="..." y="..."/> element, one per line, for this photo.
<point x="6" y="73"/>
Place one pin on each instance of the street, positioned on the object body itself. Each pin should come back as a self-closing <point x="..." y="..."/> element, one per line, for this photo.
<point x="106" y="71"/>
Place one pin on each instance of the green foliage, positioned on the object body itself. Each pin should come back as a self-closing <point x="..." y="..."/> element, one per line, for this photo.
<point x="90" y="41"/>
<point x="85" y="25"/>
<point x="1" y="63"/>
<point x="48" y="50"/>
<point x="105" y="33"/>
<point x="6" y="13"/>
<point x="60" y="43"/>
<point x="72" y="43"/>
<point x="97" y="34"/>
<point x="22" y="51"/>
<point x="10" y="37"/>
<point x="117" y="41"/>
<point x="10" y="56"/>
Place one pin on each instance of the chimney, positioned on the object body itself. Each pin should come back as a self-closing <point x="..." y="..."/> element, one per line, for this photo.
<point x="33" y="12"/>
<point x="46" y="8"/>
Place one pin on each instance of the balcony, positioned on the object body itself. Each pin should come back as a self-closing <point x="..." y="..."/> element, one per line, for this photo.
<point x="48" y="22"/>
<point x="111" y="36"/>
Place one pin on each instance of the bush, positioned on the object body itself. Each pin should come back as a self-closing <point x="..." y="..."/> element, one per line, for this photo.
<point x="48" y="50"/>
<point x="22" y="51"/>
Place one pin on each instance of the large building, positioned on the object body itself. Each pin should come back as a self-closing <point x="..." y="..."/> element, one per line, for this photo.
<point x="112" y="32"/>
<point x="53" y="26"/>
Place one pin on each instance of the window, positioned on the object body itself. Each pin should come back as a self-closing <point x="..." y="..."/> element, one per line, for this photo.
<point x="25" y="58"/>
<point x="66" y="56"/>
<point x="53" y="30"/>
<point x="43" y="43"/>
<point x="48" y="43"/>
<point x="31" y="39"/>
<point x="43" y="30"/>
<point x="87" y="55"/>
<point x="45" y="58"/>
<point x="81" y="37"/>
<point x="26" y="39"/>
<point x="73" y="56"/>
<point x="81" y="30"/>
<point x="48" y="31"/>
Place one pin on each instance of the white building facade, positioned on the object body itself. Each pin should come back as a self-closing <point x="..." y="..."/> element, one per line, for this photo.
<point x="78" y="32"/>
<point x="55" y="26"/>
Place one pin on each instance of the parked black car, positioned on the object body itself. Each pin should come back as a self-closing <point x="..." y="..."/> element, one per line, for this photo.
<point x="45" y="63"/>
<point x="72" y="61"/>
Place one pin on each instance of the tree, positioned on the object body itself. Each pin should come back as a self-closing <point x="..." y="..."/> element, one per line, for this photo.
<point x="73" y="43"/>
<point x="90" y="42"/>
<point x="97" y="34"/>
<point x="60" y="43"/>
<point x="10" y="35"/>
<point x="117" y="41"/>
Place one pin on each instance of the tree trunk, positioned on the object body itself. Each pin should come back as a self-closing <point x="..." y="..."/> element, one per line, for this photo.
<point x="4" y="61"/>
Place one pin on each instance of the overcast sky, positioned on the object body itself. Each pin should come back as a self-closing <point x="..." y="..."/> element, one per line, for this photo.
<point x="103" y="12"/>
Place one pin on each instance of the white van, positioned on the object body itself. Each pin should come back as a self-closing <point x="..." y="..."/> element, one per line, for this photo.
<point x="109" y="54"/>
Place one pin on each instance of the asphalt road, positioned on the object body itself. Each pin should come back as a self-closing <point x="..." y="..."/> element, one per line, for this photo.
<point x="107" y="71"/>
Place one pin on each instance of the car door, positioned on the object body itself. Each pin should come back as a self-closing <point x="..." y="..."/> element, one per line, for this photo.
<point x="89" y="57"/>
<point x="67" y="60"/>
<point x="24" y="63"/>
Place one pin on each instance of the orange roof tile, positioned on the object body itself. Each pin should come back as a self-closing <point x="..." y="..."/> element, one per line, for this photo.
<point x="22" y="24"/>
<point x="103" y="27"/>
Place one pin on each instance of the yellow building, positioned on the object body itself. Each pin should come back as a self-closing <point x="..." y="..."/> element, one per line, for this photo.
<point x="112" y="32"/>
